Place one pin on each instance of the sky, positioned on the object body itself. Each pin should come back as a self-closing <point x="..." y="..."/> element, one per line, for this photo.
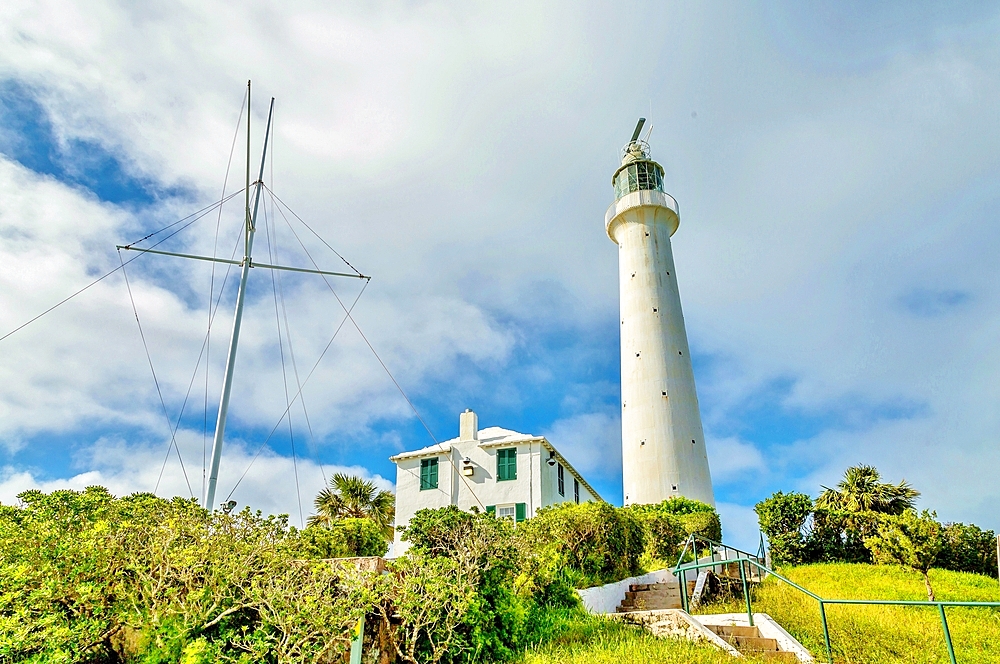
<point x="837" y="167"/>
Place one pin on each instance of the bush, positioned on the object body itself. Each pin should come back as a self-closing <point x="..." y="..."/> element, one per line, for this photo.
<point x="783" y="514"/>
<point x="587" y="543"/>
<point x="679" y="506"/>
<point x="85" y="576"/>
<point x="344" y="538"/>
<point x="706" y="524"/>
<point x="669" y="523"/>
<point x="484" y="559"/>
<point x="969" y="548"/>
<point x="438" y="532"/>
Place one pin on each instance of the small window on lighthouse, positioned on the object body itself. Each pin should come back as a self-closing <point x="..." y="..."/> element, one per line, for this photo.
<point x="692" y="442"/>
<point x="664" y="392"/>
<point x="654" y="310"/>
<point x="674" y="487"/>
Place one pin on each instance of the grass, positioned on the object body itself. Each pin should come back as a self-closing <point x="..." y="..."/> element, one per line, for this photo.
<point x="881" y="634"/>
<point x="575" y="637"/>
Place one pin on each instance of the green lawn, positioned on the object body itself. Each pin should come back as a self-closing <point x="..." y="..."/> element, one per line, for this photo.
<point x="581" y="639"/>
<point x="881" y="634"/>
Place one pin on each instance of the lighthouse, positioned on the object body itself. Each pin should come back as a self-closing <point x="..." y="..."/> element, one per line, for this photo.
<point x="663" y="445"/>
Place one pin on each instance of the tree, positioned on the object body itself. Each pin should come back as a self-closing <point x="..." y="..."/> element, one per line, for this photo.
<point x="862" y="490"/>
<point x="782" y="518"/>
<point x="349" y="496"/>
<point x="909" y="539"/>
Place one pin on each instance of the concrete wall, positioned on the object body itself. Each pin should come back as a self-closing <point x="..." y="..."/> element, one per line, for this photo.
<point x="663" y="444"/>
<point x="606" y="598"/>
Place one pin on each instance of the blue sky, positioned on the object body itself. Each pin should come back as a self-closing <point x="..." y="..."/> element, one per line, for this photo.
<point x="835" y="163"/>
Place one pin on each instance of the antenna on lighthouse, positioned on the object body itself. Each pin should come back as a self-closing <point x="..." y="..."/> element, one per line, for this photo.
<point x="638" y="128"/>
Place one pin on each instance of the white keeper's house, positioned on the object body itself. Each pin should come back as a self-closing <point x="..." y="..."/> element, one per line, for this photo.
<point x="504" y="472"/>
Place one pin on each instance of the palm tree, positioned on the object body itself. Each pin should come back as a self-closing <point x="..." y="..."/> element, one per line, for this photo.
<point x="862" y="490"/>
<point x="349" y="496"/>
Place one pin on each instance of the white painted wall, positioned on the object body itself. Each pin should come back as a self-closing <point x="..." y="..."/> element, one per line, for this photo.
<point x="606" y="598"/>
<point x="663" y="444"/>
<point x="535" y="485"/>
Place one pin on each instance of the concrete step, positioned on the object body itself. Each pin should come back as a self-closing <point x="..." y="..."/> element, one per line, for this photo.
<point x="653" y="593"/>
<point x="652" y="596"/>
<point x="647" y="605"/>
<point x="748" y="640"/>
<point x="642" y="587"/>
<point x="734" y="630"/>
<point x="752" y="643"/>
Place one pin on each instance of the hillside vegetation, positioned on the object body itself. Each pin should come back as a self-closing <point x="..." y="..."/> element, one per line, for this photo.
<point x="881" y="634"/>
<point x="89" y="577"/>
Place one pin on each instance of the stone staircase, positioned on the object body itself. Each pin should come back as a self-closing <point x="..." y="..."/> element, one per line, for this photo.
<point x="652" y="596"/>
<point x="748" y="640"/>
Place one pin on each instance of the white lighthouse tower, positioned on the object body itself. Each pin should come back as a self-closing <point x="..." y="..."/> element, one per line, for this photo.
<point x="663" y="445"/>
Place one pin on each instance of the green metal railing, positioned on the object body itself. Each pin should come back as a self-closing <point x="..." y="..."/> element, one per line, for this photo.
<point x="748" y="560"/>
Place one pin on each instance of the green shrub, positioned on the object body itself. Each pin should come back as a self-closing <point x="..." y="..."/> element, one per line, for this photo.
<point x="438" y="532"/>
<point x="588" y="543"/>
<point x="487" y="558"/>
<point x="85" y="576"/>
<point x="679" y="505"/>
<point x="969" y="548"/>
<point x="706" y="524"/>
<point x="668" y="524"/>
<point x="344" y="538"/>
<point x="783" y="513"/>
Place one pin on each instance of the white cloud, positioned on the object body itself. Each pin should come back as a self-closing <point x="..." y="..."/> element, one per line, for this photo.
<point x="592" y="442"/>
<point x="731" y="458"/>
<point x="461" y="155"/>
<point x="739" y="526"/>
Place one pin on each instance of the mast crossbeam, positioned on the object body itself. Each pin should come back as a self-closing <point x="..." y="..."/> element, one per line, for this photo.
<point x="252" y="264"/>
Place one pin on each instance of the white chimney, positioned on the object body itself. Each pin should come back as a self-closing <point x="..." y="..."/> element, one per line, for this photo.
<point x="468" y="426"/>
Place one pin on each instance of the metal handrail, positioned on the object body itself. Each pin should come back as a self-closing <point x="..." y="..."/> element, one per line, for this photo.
<point x="823" y="601"/>
<point x="694" y="538"/>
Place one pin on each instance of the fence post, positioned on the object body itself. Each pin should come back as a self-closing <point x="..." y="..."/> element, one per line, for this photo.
<point x="826" y="631"/>
<point x="746" y="592"/>
<point x="947" y="634"/>
<point x="682" y="581"/>
<point x="357" y="640"/>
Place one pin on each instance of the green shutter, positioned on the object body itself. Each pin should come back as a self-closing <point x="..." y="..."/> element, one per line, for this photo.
<point x="428" y="474"/>
<point x="507" y="464"/>
<point x="491" y="509"/>
<point x="519" y="512"/>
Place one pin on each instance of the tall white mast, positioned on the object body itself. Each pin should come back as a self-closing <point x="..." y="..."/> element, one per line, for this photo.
<point x="227" y="383"/>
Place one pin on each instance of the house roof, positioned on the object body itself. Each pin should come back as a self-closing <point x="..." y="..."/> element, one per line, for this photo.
<point x="495" y="437"/>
